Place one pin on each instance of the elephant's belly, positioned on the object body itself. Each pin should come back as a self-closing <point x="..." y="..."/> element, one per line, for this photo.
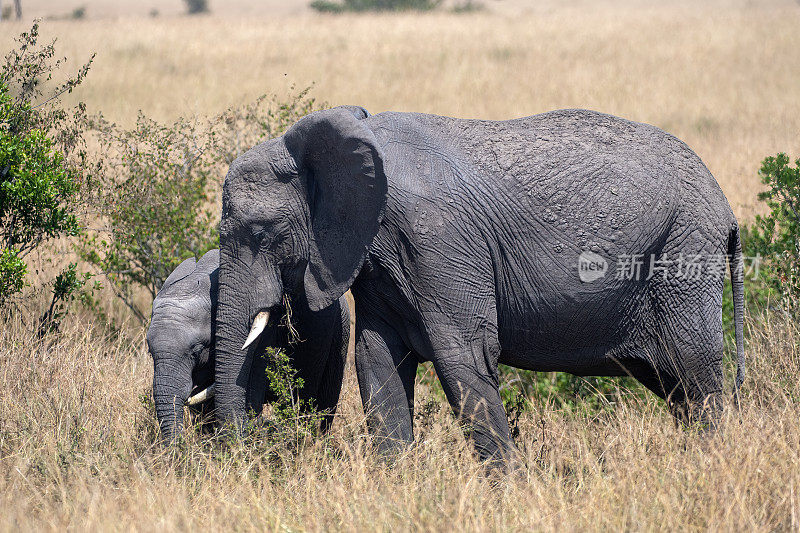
<point x="600" y="360"/>
<point x="580" y="332"/>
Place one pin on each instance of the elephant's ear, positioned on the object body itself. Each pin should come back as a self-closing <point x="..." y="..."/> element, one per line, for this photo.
<point x="343" y="164"/>
<point x="359" y="112"/>
<point x="183" y="270"/>
<point x="209" y="262"/>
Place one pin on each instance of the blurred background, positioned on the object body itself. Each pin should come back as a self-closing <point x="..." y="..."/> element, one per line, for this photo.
<point x="724" y="76"/>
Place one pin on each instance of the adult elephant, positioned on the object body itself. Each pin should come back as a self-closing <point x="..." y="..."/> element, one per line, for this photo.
<point x="182" y="343"/>
<point x="543" y="243"/>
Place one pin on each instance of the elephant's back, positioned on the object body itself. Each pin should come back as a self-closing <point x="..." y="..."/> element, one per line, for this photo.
<point x="596" y="173"/>
<point x="566" y="143"/>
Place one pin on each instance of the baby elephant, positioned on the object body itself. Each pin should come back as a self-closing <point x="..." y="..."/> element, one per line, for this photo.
<point x="181" y="342"/>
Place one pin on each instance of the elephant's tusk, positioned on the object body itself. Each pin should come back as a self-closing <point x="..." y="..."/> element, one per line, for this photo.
<point x="259" y="323"/>
<point x="203" y="395"/>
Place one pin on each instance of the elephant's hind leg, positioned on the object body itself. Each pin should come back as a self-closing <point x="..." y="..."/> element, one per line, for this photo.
<point x="689" y="348"/>
<point x="688" y="404"/>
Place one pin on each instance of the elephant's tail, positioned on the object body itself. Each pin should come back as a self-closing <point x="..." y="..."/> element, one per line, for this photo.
<point x="737" y="285"/>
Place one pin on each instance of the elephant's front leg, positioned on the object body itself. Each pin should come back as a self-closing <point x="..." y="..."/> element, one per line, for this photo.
<point x="468" y="373"/>
<point x="386" y="370"/>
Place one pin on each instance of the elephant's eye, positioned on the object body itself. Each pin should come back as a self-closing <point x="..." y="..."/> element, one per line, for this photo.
<point x="259" y="232"/>
<point x="264" y="242"/>
<point x="199" y="352"/>
<point x="260" y="237"/>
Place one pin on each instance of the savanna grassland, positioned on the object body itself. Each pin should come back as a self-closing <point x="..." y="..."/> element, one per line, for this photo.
<point x="78" y="442"/>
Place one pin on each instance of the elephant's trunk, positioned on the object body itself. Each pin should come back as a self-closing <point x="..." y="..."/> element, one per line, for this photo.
<point x="233" y="362"/>
<point x="172" y="382"/>
<point x="248" y="286"/>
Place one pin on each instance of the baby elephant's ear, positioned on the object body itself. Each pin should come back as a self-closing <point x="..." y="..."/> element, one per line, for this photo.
<point x="183" y="270"/>
<point x="209" y="262"/>
<point x="343" y="165"/>
<point x="359" y="112"/>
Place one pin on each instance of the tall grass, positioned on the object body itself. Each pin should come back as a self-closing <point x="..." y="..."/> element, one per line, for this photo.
<point x="78" y="448"/>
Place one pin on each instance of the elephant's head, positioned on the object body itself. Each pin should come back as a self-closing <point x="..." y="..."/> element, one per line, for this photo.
<point x="298" y="215"/>
<point x="180" y="340"/>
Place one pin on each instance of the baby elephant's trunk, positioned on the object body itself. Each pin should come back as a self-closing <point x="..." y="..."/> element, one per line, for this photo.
<point x="172" y="382"/>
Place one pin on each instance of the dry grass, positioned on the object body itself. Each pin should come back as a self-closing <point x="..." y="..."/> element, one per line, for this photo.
<point x="724" y="77"/>
<point x="77" y="449"/>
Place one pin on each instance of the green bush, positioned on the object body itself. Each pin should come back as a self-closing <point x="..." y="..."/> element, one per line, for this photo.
<point x="150" y="196"/>
<point x="770" y="249"/>
<point x="329" y="6"/>
<point x="79" y="13"/>
<point x="36" y="189"/>
<point x="194" y="7"/>
<point x="468" y="6"/>
<point x="776" y="236"/>
<point x="153" y="200"/>
<point x="41" y="168"/>
<point x="12" y="273"/>
<point x="292" y="420"/>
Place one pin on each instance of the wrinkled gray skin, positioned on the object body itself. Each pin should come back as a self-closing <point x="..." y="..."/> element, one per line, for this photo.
<point x="181" y="342"/>
<point x="460" y="241"/>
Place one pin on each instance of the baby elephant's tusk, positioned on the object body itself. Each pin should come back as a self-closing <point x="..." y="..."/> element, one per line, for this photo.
<point x="203" y="395"/>
<point x="259" y="323"/>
